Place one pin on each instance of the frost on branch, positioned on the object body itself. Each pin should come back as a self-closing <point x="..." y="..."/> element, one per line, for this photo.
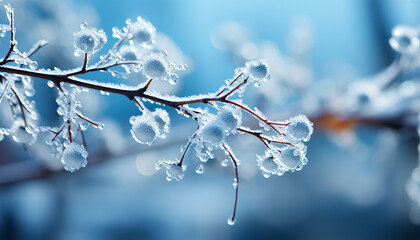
<point x="220" y="116"/>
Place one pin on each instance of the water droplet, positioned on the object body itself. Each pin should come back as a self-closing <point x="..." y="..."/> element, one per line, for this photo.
<point x="231" y="221"/>
<point x="200" y="169"/>
<point x="33" y="65"/>
<point x="225" y="163"/>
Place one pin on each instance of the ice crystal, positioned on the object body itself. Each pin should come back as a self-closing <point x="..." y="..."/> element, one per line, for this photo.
<point x="23" y="134"/>
<point x="213" y="132"/>
<point x="300" y="128"/>
<point x="144" y="129"/>
<point x="74" y="157"/>
<point x="268" y="164"/>
<point x="128" y="53"/>
<point x="174" y="171"/>
<point x="141" y="31"/>
<point x="230" y="118"/>
<point x="258" y="70"/>
<point x="292" y="158"/>
<point x="88" y="40"/>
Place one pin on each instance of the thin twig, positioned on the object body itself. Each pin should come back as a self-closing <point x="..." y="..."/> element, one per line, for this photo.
<point x="235" y="164"/>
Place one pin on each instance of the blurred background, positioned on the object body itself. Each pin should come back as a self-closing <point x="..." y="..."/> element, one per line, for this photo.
<point x="361" y="155"/>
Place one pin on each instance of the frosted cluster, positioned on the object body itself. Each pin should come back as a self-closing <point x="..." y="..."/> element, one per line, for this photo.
<point x="138" y="56"/>
<point x="292" y="158"/>
<point x="88" y="40"/>
<point x="67" y="104"/>
<point x="149" y="126"/>
<point x="129" y="53"/>
<point x="22" y="134"/>
<point x="144" y="129"/>
<point x="213" y="132"/>
<point x="141" y="31"/>
<point x="300" y="128"/>
<point x="157" y="66"/>
<point x="405" y="39"/>
<point x="268" y="164"/>
<point x="229" y="118"/>
<point x="74" y="157"/>
<point x="174" y="171"/>
<point x="257" y="69"/>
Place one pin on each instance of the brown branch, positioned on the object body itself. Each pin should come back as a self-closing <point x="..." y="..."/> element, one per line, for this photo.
<point x="230" y="84"/>
<point x="98" y="69"/>
<point x="140" y="92"/>
<point x="22" y="107"/>
<point x="87" y="120"/>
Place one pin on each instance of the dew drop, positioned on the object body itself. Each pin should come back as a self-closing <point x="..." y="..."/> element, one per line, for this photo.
<point x="225" y="163"/>
<point x="231" y="221"/>
<point x="33" y="65"/>
<point x="199" y="169"/>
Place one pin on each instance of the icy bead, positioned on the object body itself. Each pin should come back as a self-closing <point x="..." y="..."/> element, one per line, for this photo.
<point x="213" y="132"/>
<point x="257" y="69"/>
<point x="300" y="128"/>
<point x="199" y="169"/>
<point x="84" y="41"/>
<point x="174" y="171"/>
<point x="89" y="40"/>
<point x="404" y="39"/>
<point x="231" y="221"/>
<point x="154" y="68"/>
<point x="291" y="158"/>
<point x="128" y="53"/>
<point x="144" y="130"/>
<point x="173" y="79"/>
<point x="225" y="163"/>
<point x="74" y="157"/>
<point x="141" y="31"/>
<point x="22" y="134"/>
<point x="268" y="164"/>
<point x="229" y="118"/>
<point x="33" y="65"/>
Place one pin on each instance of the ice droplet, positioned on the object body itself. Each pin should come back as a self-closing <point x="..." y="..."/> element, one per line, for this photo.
<point x="33" y="65"/>
<point x="225" y="163"/>
<point x="74" y="157"/>
<point x="231" y="221"/>
<point x="199" y="169"/>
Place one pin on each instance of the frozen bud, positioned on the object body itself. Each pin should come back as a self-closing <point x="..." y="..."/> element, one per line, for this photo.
<point x="213" y="132"/>
<point x="229" y="118"/>
<point x="128" y="53"/>
<point x="174" y="171"/>
<point x="144" y="129"/>
<point x="300" y="128"/>
<point x="89" y="40"/>
<point x="155" y="67"/>
<point x="74" y="157"/>
<point x="404" y="39"/>
<point x="22" y="134"/>
<point x="268" y="164"/>
<point x="292" y="158"/>
<point x="257" y="69"/>
<point x="141" y="31"/>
